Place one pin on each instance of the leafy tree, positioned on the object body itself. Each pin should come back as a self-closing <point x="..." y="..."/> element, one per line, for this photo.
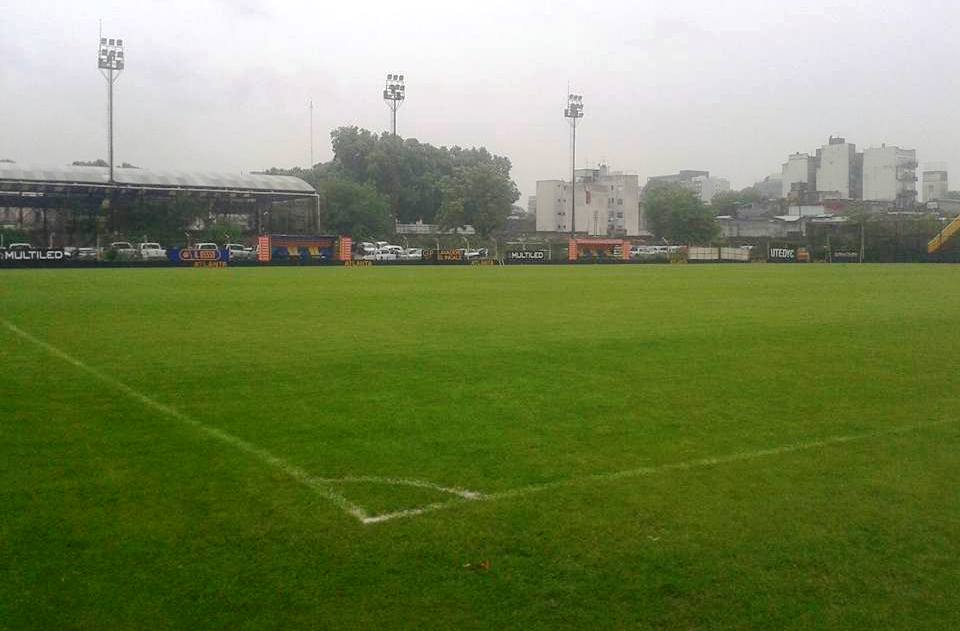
<point x="693" y="224"/>
<point x="678" y="215"/>
<point x="479" y="195"/>
<point x="728" y="202"/>
<point x="453" y="186"/>
<point x="725" y="202"/>
<point x="354" y="209"/>
<point x="91" y="163"/>
<point x="7" y="160"/>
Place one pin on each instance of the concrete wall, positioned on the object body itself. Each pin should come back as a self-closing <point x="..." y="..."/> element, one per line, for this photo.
<point x="757" y="228"/>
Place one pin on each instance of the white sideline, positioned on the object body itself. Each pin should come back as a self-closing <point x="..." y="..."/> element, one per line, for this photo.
<point x="319" y="485"/>
<point x="645" y="471"/>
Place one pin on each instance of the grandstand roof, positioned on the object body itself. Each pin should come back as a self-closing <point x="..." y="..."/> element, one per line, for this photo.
<point x="98" y="177"/>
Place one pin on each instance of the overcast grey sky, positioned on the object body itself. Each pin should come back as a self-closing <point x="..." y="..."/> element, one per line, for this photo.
<point x="727" y="86"/>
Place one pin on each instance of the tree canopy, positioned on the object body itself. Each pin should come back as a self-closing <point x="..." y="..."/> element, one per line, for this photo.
<point x="354" y="209"/>
<point x="418" y="181"/>
<point x="677" y="214"/>
<point x="728" y="202"/>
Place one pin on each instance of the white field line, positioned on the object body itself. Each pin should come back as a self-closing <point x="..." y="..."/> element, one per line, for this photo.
<point x="322" y="485"/>
<point x="421" y="484"/>
<point x="318" y="485"/>
<point x="699" y="463"/>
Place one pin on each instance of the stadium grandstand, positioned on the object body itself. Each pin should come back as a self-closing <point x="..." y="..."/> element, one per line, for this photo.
<point x="37" y="198"/>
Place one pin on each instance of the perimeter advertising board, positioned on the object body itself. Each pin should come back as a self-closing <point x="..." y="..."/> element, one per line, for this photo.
<point x="844" y="256"/>
<point x="527" y="257"/>
<point x="32" y="257"/>
<point x="443" y="256"/>
<point x="788" y="255"/>
<point x="202" y="258"/>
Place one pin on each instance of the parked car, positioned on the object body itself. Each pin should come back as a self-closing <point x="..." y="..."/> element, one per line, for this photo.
<point x="239" y="252"/>
<point x="412" y="254"/>
<point x="87" y="254"/>
<point x="471" y="255"/>
<point x="365" y="251"/>
<point x="123" y="250"/>
<point x="17" y="247"/>
<point x="388" y="253"/>
<point x="152" y="252"/>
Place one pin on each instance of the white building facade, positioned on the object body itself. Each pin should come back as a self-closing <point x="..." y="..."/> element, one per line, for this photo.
<point x="890" y="175"/>
<point x="699" y="182"/>
<point x="837" y="171"/>
<point x="936" y="184"/>
<point x="607" y="203"/>
<point x="799" y="169"/>
<point x="706" y="187"/>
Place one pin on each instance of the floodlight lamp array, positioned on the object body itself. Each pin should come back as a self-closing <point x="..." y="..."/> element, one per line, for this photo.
<point x="394" y="90"/>
<point x="574" y="108"/>
<point x="110" y="55"/>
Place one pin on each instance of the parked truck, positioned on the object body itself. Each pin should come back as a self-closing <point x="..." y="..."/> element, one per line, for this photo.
<point x="152" y="252"/>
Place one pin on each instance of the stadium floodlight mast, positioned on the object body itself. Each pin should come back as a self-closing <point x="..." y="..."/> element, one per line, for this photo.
<point x="573" y="113"/>
<point x="394" y="93"/>
<point x="311" y="133"/>
<point x="110" y="61"/>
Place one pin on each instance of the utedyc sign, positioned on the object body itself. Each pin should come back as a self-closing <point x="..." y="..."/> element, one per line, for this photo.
<point x="782" y="254"/>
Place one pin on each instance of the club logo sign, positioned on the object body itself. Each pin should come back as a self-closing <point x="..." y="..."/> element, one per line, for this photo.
<point x="527" y="256"/>
<point x="33" y="254"/>
<point x="191" y="255"/>
<point x="782" y="254"/>
<point x="846" y="256"/>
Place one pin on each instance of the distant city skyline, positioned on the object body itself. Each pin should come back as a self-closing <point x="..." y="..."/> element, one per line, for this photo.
<point x="731" y="88"/>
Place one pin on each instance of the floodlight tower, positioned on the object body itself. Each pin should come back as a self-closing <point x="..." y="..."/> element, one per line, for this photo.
<point x="573" y="113"/>
<point x="394" y="93"/>
<point x="110" y="61"/>
<point x="311" y="133"/>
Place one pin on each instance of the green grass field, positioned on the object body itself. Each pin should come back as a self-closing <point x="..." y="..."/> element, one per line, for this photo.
<point x="562" y="447"/>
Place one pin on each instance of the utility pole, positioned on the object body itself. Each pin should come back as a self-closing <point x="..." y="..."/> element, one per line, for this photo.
<point x="573" y="113"/>
<point x="110" y="61"/>
<point x="394" y="93"/>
